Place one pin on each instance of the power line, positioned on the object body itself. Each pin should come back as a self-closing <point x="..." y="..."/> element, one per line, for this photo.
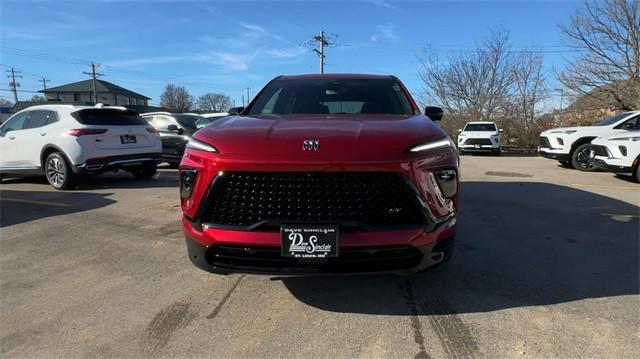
<point x="323" y="42"/>
<point x="94" y="75"/>
<point x="13" y="84"/>
<point x="44" y="83"/>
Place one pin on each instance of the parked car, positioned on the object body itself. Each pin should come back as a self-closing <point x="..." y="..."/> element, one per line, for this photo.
<point x="572" y="145"/>
<point x="321" y="173"/>
<point x="618" y="153"/>
<point x="480" y="136"/>
<point x="175" y="129"/>
<point x="214" y="115"/>
<point x="65" y="141"/>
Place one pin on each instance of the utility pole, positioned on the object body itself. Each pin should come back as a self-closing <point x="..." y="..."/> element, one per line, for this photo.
<point x="44" y="83"/>
<point x="248" y="97"/>
<point x="323" y="42"/>
<point x="94" y="75"/>
<point x="14" y="85"/>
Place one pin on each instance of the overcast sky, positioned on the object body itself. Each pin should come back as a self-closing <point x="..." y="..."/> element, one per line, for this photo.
<point x="227" y="46"/>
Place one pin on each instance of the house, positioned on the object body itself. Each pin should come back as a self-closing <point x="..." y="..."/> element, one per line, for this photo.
<point x="601" y="103"/>
<point x="81" y="93"/>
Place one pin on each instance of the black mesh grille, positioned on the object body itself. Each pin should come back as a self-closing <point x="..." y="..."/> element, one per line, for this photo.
<point x="358" y="199"/>
<point x="269" y="260"/>
<point x="544" y="142"/>
<point x="477" y="141"/>
<point x="600" y="150"/>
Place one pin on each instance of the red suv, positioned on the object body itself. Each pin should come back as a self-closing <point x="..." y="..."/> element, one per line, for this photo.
<point x="321" y="174"/>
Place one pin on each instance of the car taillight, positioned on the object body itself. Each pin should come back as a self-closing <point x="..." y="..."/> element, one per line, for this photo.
<point x="86" y="131"/>
<point x="448" y="182"/>
<point x="152" y="130"/>
<point x="187" y="181"/>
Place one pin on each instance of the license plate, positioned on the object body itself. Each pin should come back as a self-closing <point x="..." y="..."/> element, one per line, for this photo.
<point x="309" y="241"/>
<point x="125" y="139"/>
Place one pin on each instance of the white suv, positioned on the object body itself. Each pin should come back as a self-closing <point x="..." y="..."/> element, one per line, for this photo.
<point x="618" y="153"/>
<point x="64" y="141"/>
<point x="572" y="145"/>
<point x="479" y="137"/>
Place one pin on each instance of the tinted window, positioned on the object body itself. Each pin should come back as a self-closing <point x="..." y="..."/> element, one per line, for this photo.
<point x="192" y="122"/>
<point x="332" y="96"/>
<point x="17" y="122"/>
<point x="37" y="119"/>
<point x="480" y="127"/>
<point x="630" y="124"/>
<point x="108" y="117"/>
<point x="52" y="117"/>
<point x="611" y="120"/>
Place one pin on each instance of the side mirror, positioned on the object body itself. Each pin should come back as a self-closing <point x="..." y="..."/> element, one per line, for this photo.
<point x="235" y="110"/>
<point x="500" y="130"/>
<point x="434" y="113"/>
<point x="174" y="128"/>
<point x="459" y="130"/>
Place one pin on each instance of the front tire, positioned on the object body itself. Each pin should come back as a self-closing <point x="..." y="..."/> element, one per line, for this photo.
<point x="58" y="172"/>
<point x="580" y="158"/>
<point x="145" y="171"/>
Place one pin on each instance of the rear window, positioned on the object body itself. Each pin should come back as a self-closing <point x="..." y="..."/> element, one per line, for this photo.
<point x="480" y="127"/>
<point x="108" y="117"/>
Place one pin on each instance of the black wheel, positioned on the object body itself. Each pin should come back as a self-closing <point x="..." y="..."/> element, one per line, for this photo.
<point x="461" y="152"/>
<point x="145" y="171"/>
<point x="496" y="152"/>
<point x="638" y="173"/>
<point x="580" y="158"/>
<point x="58" y="172"/>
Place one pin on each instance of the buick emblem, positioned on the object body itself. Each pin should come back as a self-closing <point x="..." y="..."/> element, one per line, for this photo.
<point x="310" y="145"/>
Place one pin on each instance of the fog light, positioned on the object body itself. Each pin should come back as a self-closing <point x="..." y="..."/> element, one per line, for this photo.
<point x="448" y="182"/>
<point x="623" y="150"/>
<point x="560" y="141"/>
<point x="187" y="181"/>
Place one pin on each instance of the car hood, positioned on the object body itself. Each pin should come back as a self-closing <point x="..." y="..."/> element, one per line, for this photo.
<point x="577" y="129"/>
<point x="341" y="137"/>
<point x="479" y="133"/>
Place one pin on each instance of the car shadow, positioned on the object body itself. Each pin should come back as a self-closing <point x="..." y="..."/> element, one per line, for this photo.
<point x="518" y="244"/>
<point x="165" y="177"/>
<point x="24" y="206"/>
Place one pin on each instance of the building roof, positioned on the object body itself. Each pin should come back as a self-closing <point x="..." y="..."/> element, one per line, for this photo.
<point x="101" y="87"/>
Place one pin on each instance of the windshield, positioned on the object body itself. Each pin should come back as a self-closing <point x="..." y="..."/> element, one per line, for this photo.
<point x="611" y="120"/>
<point x="192" y="122"/>
<point x="480" y="127"/>
<point x="332" y="96"/>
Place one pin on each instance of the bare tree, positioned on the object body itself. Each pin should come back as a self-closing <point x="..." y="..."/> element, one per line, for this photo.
<point x="473" y="84"/>
<point x="39" y="98"/>
<point x="215" y="102"/>
<point x="528" y="90"/>
<point x="607" y="34"/>
<point x="176" y="98"/>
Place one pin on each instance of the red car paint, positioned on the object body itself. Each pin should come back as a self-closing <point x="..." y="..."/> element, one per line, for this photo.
<point x="349" y="143"/>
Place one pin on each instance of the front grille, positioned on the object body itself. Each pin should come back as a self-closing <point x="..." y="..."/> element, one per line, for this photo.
<point x="599" y="150"/>
<point x="269" y="260"/>
<point x="544" y="142"/>
<point x="356" y="199"/>
<point x="477" y="141"/>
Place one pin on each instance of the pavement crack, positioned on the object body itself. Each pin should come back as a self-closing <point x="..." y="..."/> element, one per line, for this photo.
<point x="224" y="299"/>
<point x="415" y="320"/>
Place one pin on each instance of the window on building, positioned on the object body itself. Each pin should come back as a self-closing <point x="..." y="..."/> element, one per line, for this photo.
<point x="77" y="97"/>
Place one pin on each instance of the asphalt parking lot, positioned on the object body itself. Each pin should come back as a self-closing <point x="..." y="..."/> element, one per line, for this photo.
<point x="547" y="265"/>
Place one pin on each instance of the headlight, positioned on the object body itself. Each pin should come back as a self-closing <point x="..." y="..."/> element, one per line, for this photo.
<point x="625" y="139"/>
<point x="566" y="132"/>
<point x="441" y="143"/>
<point x="199" y="145"/>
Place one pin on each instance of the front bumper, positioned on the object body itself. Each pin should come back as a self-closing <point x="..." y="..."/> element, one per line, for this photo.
<point x="402" y="251"/>
<point x="102" y="164"/>
<point x="553" y="154"/>
<point x="611" y="165"/>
